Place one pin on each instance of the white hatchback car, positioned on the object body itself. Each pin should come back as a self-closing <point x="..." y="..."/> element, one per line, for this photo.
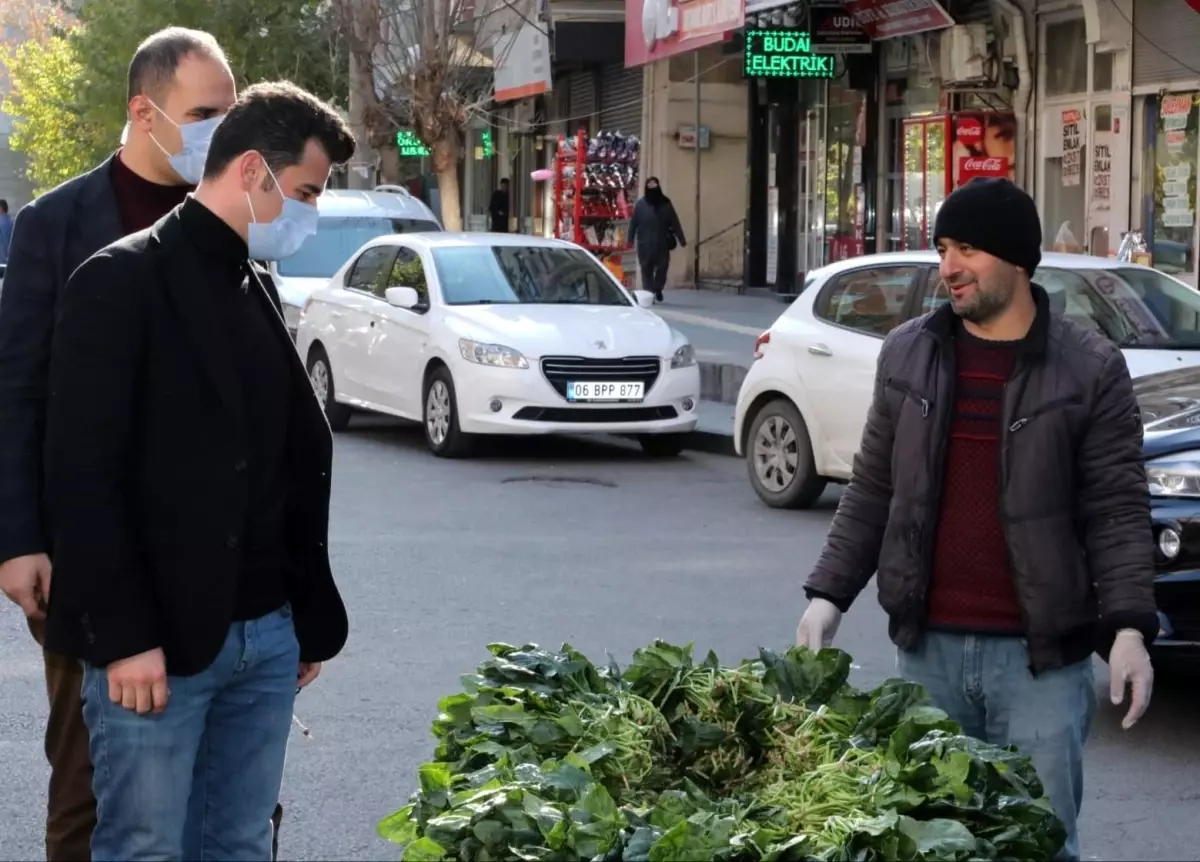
<point x="801" y="410"/>
<point x="482" y="333"/>
<point x="347" y="219"/>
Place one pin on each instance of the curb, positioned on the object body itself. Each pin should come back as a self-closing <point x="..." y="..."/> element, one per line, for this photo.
<point x="721" y="381"/>
<point x="710" y="442"/>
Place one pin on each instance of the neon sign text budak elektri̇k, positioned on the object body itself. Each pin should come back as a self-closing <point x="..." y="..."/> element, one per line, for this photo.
<point x="781" y="53"/>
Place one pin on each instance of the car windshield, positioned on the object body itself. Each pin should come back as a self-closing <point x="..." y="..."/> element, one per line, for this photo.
<point x="517" y="274"/>
<point x="1136" y="308"/>
<point x="337" y="239"/>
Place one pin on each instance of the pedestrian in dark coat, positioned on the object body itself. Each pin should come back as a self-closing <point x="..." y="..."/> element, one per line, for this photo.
<point x="655" y="232"/>
<point x="999" y="495"/>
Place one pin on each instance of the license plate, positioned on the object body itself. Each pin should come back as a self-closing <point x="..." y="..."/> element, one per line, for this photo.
<point x="599" y="390"/>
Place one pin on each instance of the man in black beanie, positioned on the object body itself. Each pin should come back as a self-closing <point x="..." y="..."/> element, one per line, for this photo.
<point x="1000" y="495"/>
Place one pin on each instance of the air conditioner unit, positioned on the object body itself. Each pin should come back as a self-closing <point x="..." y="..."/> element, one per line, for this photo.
<point x="964" y="54"/>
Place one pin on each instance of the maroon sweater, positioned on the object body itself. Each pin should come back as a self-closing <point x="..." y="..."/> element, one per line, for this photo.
<point x="140" y="202"/>
<point x="971" y="585"/>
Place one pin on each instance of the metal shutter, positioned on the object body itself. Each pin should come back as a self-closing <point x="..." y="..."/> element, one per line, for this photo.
<point x="1166" y="33"/>
<point x="581" y="103"/>
<point x="621" y="99"/>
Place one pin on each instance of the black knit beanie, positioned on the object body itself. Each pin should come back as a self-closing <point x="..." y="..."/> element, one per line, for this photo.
<point x="996" y="216"/>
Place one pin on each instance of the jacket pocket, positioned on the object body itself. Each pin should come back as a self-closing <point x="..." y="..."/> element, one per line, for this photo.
<point x="910" y="393"/>
<point x="1043" y="409"/>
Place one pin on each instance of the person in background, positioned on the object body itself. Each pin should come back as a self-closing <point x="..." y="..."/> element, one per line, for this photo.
<point x="655" y="232"/>
<point x="1000" y="500"/>
<point x="179" y="86"/>
<point x="187" y="483"/>
<point x="498" y="208"/>
<point x="6" y="230"/>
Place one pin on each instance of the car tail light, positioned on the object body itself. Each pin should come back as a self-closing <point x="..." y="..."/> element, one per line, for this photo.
<point x="761" y="342"/>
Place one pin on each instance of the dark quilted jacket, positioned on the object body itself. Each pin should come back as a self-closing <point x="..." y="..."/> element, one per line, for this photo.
<point x="1074" y="499"/>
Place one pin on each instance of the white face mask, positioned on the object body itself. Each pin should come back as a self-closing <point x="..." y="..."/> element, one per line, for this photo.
<point x="196" y="137"/>
<point x="281" y="238"/>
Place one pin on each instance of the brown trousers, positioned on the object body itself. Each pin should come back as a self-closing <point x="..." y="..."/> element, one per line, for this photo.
<point x="71" y="812"/>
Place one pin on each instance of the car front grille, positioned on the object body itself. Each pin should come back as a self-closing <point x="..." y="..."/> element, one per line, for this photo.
<point x="597" y="415"/>
<point x="560" y="370"/>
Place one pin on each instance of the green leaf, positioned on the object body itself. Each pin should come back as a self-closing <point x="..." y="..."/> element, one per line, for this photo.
<point x="599" y="804"/>
<point x="435" y="780"/>
<point x="424" y="850"/>
<point x="940" y="839"/>
<point x="598" y="751"/>
<point x="802" y="676"/>
<point x="491" y="833"/>
<point x="399" y="827"/>
<point x="457" y="708"/>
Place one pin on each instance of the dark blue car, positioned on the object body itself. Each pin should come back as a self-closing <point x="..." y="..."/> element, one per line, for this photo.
<point x="1170" y="404"/>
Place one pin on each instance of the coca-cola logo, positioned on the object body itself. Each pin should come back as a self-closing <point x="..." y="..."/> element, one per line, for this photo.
<point x="969" y="130"/>
<point x="990" y="165"/>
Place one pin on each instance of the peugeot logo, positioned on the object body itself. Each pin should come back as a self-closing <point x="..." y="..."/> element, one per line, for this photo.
<point x="600" y="345"/>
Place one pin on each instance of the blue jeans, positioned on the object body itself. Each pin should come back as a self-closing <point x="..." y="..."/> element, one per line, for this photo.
<point x="984" y="683"/>
<point x="200" y="781"/>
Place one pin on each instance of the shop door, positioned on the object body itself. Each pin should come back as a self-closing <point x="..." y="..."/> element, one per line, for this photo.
<point x="926" y="181"/>
<point x="1108" y="178"/>
<point x="812" y="190"/>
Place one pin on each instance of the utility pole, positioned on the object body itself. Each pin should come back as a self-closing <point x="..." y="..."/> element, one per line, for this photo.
<point x="361" y="174"/>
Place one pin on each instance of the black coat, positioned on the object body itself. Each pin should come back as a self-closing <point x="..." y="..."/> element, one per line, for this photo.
<point x="52" y="236"/>
<point x="1074" y="502"/>
<point x="145" y="459"/>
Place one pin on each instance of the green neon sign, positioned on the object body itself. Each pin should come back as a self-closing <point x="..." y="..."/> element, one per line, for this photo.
<point x="485" y="140"/>
<point x="410" y="145"/>
<point x="781" y="53"/>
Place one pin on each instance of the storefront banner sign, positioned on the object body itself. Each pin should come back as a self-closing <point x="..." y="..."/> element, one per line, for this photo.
<point x="1102" y="146"/>
<point x="834" y="31"/>
<point x="886" y="19"/>
<point x="984" y="145"/>
<point x="657" y="29"/>
<point x="1176" y="149"/>
<point x="784" y="53"/>
<point x="522" y="63"/>
<point x="971" y="167"/>
<point x="1072" y="147"/>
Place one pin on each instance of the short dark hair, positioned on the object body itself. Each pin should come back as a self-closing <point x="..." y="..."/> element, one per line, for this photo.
<point x="504" y="181"/>
<point x="278" y="119"/>
<point x="152" y="69"/>
<point x="3" y="205"/>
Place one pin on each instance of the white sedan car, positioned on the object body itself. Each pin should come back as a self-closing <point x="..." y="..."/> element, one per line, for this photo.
<point x="496" y="334"/>
<point x="801" y="410"/>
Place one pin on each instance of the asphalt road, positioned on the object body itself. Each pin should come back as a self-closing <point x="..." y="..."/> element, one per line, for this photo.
<point x="550" y="542"/>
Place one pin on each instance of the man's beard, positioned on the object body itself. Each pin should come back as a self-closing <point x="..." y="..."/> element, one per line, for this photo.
<point x="985" y="302"/>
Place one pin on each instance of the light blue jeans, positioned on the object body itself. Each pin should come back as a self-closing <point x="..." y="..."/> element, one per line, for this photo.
<point x="200" y="781"/>
<point x="984" y="683"/>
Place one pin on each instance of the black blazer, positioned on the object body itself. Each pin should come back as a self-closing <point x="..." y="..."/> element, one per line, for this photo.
<point x="146" y="479"/>
<point x="52" y="236"/>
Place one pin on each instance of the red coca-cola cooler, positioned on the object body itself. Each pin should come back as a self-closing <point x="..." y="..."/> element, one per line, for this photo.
<point x="984" y="145"/>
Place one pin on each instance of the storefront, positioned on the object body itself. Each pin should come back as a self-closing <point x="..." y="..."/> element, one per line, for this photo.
<point x="1083" y="176"/>
<point x="809" y="92"/>
<point x="1166" y="82"/>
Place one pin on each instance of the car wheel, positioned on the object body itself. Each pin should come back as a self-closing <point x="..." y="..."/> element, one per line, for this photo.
<point x="662" y="445"/>
<point x="779" y="457"/>
<point x="440" y="417"/>
<point x="320" y="375"/>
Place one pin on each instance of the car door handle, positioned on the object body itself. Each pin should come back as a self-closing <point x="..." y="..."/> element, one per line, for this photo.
<point x="819" y="350"/>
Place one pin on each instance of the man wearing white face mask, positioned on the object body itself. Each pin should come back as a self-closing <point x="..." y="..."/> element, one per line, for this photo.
<point x="184" y="73"/>
<point x="187" y="482"/>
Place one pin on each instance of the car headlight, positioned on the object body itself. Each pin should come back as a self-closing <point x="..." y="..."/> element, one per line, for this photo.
<point x="1174" y="475"/>
<point x="496" y="355"/>
<point x="683" y="357"/>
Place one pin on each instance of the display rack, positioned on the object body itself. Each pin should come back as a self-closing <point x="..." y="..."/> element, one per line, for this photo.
<point x="595" y="185"/>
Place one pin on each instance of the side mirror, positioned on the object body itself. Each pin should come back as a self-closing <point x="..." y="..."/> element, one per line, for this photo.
<point x="644" y="298"/>
<point x="403" y="297"/>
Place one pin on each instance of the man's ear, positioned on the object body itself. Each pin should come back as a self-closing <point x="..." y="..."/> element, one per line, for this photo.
<point x="141" y="112"/>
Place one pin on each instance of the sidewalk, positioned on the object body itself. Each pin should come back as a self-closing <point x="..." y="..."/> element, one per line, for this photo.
<point x="722" y="326"/>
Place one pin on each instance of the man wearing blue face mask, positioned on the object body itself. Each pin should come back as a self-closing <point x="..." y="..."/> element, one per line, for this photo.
<point x="188" y="481"/>
<point x="179" y="86"/>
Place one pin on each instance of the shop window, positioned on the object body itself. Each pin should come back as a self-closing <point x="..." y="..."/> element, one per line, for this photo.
<point x="1175" y="162"/>
<point x="1102" y="73"/>
<point x="1065" y="178"/>
<point x="1067" y="58"/>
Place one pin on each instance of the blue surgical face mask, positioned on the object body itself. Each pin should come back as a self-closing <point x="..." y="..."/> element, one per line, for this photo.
<point x="189" y="161"/>
<point x="281" y="238"/>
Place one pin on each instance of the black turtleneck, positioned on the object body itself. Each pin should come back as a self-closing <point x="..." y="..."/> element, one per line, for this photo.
<point x="259" y="357"/>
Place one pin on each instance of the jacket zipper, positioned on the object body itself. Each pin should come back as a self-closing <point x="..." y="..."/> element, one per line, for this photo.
<point x="1002" y="484"/>
<point x="947" y="365"/>
<point x="1045" y="408"/>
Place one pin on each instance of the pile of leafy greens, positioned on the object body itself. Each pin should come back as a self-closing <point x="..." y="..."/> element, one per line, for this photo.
<point x="544" y="756"/>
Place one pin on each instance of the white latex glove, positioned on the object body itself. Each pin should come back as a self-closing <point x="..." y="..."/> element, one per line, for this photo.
<point x="1129" y="664"/>
<point x="818" y="625"/>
